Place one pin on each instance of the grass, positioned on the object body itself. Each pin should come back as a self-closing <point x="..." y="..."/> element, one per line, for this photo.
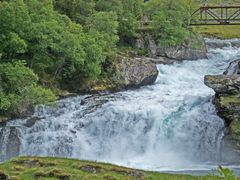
<point x="230" y="99"/>
<point x="222" y="32"/>
<point x="68" y="169"/>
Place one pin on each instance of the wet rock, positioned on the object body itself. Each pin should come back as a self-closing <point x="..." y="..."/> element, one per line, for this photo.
<point x="223" y="84"/>
<point x="25" y="110"/>
<point x="233" y="68"/>
<point x="13" y="143"/>
<point x="31" y="122"/>
<point x="136" y="72"/>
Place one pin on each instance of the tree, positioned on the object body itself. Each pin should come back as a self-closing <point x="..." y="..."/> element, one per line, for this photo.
<point x="169" y="20"/>
<point x="129" y="16"/>
<point x="106" y="24"/>
<point x="77" y="10"/>
<point x="19" y="89"/>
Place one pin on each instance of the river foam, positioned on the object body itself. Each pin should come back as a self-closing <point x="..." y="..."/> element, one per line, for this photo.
<point x="171" y="125"/>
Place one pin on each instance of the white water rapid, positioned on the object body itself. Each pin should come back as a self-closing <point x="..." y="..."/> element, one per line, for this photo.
<point x="171" y="125"/>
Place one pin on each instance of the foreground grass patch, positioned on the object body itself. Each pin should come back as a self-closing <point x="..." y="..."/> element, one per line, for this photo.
<point x="68" y="169"/>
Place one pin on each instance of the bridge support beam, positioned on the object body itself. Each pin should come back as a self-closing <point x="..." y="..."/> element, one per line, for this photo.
<point x="216" y="15"/>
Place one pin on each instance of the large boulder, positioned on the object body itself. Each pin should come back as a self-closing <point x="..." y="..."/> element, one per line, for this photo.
<point x="130" y="71"/>
<point x="136" y="71"/>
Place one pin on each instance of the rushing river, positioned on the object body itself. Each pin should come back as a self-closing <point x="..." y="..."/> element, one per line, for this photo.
<point x="169" y="126"/>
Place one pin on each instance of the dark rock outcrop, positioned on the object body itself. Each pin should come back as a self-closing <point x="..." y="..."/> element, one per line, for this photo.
<point x="178" y="53"/>
<point x="224" y="84"/>
<point x="227" y="101"/>
<point x="136" y="71"/>
<point x="182" y="53"/>
<point x="131" y="71"/>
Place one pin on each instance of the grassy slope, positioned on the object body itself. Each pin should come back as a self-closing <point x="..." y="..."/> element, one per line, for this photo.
<point x="222" y="32"/>
<point x="64" y="169"/>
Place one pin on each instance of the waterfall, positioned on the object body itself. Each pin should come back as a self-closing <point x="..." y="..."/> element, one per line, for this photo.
<point x="169" y="125"/>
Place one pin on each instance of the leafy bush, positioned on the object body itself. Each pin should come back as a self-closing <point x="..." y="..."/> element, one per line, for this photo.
<point x="226" y="173"/>
<point x="19" y="89"/>
<point x="169" y="19"/>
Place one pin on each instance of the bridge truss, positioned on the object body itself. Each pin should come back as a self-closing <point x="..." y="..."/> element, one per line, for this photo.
<point x="216" y="15"/>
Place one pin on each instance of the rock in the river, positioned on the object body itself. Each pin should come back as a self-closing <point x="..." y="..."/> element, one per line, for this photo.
<point x="233" y="68"/>
<point x="224" y="84"/>
<point x="136" y="71"/>
<point x="13" y="143"/>
<point x="227" y="101"/>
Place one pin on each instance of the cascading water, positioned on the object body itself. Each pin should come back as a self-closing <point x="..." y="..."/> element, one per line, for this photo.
<point x="170" y="125"/>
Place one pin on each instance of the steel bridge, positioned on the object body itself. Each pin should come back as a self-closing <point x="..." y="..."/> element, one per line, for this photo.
<point x="216" y="15"/>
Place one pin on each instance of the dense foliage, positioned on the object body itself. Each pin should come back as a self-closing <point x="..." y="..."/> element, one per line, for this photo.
<point x="62" y="44"/>
<point x="19" y="89"/>
<point x="170" y="20"/>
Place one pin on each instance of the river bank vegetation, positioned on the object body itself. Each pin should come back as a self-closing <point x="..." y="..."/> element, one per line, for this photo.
<point x="56" y="168"/>
<point x="48" y="47"/>
<point x="51" y="47"/>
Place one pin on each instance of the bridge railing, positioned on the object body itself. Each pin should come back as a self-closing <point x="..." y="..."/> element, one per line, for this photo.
<point x="216" y="15"/>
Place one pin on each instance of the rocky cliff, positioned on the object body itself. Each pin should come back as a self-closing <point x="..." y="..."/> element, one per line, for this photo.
<point x="193" y="49"/>
<point x="227" y="100"/>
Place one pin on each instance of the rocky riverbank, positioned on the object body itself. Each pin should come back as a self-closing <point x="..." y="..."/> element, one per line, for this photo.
<point x="227" y="100"/>
<point x="130" y="70"/>
<point x="193" y="49"/>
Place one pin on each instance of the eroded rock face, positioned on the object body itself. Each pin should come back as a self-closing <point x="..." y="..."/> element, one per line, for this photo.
<point x="214" y="44"/>
<point x="136" y="72"/>
<point x="227" y="101"/>
<point x="183" y="52"/>
<point x="224" y="84"/>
